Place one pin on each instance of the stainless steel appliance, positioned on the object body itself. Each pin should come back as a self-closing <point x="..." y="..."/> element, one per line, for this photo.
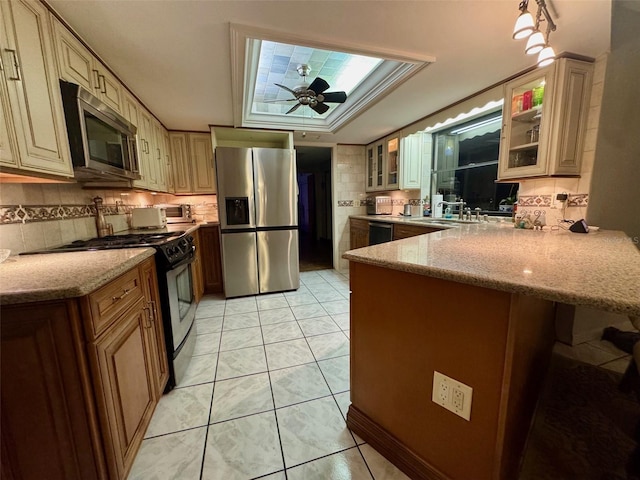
<point x="258" y="211"/>
<point x="379" y="205"/>
<point x="102" y="142"/>
<point x="180" y="213"/>
<point x="175" y="253"/>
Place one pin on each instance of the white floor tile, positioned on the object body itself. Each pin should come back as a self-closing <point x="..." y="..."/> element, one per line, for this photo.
<point x="346" y="465"/>
<point x="207" y="343"/>
<point x="208" y="325"/>
<point x="311" y="430"/>
<point x="585" y="353"/>
<point x="201" y="369"/>
<point x="301" y="290"/>
<point x="336" y="372"/>
<point x="240" y="305"/>
<point x="329" y="345"/>
<point x="274" y="476"/>
<point x="280" y="332"/>
<point x="318" y="326"/>
<point x="324" y="297"/>
<point x="302" y="312"/>
<point x="277" y="315"/>
<point x="243" y="448"/>
<point x="343" y="399"/>
<point x="245" y="361"/>
<point x="241" y="396"/>
<point x="240" y="320"/>
<point x="174" y="456"/>
<point x="323" y="287"/>
<point x="211" y="310"/>
<point x="243" y="338"/>
<point x="381" y="468"/>
<point x="288" y="354"/>
<point x="181" y="409"/>
<point x="301" y="299"/>
<point x="298" y="384"/>
<point x="272" y="302"/>
<point x="342" y="319"/>
<point x="337" y="306"/>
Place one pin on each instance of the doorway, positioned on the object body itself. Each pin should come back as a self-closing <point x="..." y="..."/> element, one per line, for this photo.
<point x="314" y="207"/>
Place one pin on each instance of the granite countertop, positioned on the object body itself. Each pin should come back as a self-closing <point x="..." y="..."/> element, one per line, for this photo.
<point x="52" y="276"/>
<point x="408" y="220"/>
<point x="599" y="269"/>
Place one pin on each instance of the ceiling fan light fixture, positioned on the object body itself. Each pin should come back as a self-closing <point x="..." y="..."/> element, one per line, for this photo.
<point x="535" y="43"/>
<point x="546" y="57"/>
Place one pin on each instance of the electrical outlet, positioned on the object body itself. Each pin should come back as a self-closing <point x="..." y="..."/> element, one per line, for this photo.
<point x="452" y="395"/>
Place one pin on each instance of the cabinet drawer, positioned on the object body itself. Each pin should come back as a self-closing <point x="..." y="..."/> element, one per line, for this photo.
<point x="109" y="302"/>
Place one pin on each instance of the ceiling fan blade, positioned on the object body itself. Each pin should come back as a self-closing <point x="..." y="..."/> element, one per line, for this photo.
<point x="335" y="97"/>
<point x="286" y="88"/>
<point x="319" y="108"/>
<point x="318" y="85"/>
<point x="294" y="108"/>
<point x="281" y="100"/>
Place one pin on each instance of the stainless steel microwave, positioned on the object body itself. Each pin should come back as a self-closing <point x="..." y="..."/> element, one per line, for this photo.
<point x="102" y="142"/>
<point x="178" y="213"/>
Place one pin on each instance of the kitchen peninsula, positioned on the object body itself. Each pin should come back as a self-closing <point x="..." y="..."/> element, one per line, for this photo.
<point x="475" y="303"/>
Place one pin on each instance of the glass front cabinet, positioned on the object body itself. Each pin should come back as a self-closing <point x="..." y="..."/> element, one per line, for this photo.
<point x="544" y="119"/>
<point x="375" y="167"/>
<point x="392" y="164"/>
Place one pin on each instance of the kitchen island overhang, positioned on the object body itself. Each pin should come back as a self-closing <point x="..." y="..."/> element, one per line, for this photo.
<point x="484" y="320"/>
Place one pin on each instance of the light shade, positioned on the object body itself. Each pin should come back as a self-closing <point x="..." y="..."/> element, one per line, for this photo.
<point x="546" y="57"/>
<point x="524" y="26"/>
<point x="535" y="43"/>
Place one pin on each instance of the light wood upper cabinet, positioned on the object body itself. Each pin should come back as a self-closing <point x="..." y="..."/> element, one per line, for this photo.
<point x="392" y="164"/>
<point x="30" y="82"/>
<point x="375" y="161"/>
<point x="411" y="161"/>
<point x="78" y="65"/>
<point x="544" y="120"/>
<point x="168" y="162"/>
<point x="192" y="159"/>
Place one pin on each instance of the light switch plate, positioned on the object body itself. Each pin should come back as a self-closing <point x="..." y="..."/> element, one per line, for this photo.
<point x="453" y="395"/>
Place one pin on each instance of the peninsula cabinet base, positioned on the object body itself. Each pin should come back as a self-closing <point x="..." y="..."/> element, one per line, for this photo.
<point x="498" y="343"/>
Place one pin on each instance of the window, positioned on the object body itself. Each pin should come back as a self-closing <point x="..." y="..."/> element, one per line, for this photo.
<point x="465" y="165"/>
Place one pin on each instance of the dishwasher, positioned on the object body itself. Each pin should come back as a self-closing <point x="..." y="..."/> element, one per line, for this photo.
<point x="380" y="232"/>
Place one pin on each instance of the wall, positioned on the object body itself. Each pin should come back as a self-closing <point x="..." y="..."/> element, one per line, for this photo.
<point x="539" y="193"/>
<point x="615" y="196"/>
<point x="38" y="216"/>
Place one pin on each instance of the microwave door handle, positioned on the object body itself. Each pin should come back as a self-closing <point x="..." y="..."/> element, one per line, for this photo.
<point x="135" y="168"/>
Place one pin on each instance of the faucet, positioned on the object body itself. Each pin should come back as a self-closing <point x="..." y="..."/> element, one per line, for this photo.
<point x="461" y="204"/>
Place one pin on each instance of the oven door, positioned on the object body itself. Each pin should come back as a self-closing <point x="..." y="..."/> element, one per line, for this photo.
<point x="182" y="303"/>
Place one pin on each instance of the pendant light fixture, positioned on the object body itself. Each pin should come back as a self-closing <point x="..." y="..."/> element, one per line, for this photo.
<point x="537" y="42"/>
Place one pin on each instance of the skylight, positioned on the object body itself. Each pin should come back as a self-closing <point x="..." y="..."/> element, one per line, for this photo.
<point x="261" y="58"/>
<point x="278" y="63"/>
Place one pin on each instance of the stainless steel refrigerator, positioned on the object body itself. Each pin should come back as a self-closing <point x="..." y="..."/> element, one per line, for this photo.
<point x="258" y="211"/>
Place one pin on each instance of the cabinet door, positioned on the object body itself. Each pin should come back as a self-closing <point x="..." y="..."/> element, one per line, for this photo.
<point x="370" y="169"/>
<point x="181" y="162"/>
<point x="157" y="347"/>
<point x="168" y="162"/>
<point x="359" y="233"/>
<point x="34" y="92"/>
<point x="411" y="161"/>
<point x="145" y="147"/>
<point x="74" y="60"/>
<point x="198" y="283"/>
<point x="159" y="161"/>
<point x="379" y="168"/>
<point x="203" y="172"/>
<point x="8" y="148"/>
<point x="526" y="125"/>
<point x="211" y="261"/>
<point x="125" y="388"/>
<point x="392" y="164"/>
<point x="109" y="89"/>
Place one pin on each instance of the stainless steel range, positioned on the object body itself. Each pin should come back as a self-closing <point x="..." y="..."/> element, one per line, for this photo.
<point x="175" y="253"/>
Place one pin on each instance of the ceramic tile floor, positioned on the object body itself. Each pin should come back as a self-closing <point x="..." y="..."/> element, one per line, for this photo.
<point x="266" y="394"/>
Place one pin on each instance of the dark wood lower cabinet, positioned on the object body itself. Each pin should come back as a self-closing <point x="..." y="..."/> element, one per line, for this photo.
<point x="211" y="261"/>
<point x="80" y="380"/>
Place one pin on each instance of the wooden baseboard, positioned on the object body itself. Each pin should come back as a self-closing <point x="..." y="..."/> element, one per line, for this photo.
<point x="391" y="448"/>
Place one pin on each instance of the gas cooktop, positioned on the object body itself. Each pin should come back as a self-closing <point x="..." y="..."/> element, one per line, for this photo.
<point x="129" y="240"/>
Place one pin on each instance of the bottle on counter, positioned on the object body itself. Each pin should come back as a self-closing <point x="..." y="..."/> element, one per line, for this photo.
<point x="426" y="207"/>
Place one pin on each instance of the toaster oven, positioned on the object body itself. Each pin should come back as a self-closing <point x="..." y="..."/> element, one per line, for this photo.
<point x="178" y="213"/>
<point x="379" y="205"/>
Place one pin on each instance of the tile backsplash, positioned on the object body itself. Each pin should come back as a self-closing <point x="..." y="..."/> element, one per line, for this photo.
<point x="38" y="216"/>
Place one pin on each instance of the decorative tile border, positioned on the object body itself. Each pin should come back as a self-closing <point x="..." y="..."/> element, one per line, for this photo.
<point x="578" y="200"/>
<point x="534" y="201"/>
<point x="43" y="213"/>
<point x="346" y="203"/>
<point x="363" y="203"/>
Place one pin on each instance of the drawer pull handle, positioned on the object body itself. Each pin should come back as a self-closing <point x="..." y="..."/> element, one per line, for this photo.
<point x="125" y="292"/>
<point x="16" y="65"/>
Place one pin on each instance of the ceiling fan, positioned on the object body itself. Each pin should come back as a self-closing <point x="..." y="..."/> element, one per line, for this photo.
<point x="313" y="95"/>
